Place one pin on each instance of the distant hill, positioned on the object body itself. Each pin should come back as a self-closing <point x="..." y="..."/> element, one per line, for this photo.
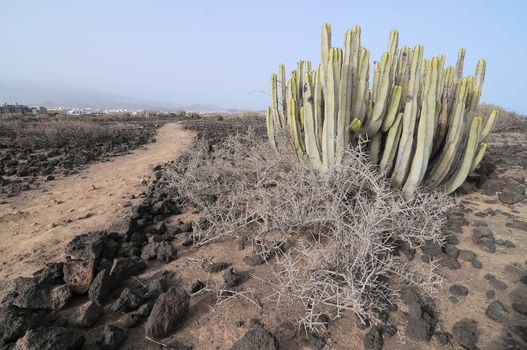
<point x="52" y="94"/>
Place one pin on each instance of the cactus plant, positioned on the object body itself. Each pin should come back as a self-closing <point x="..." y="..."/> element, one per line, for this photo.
<point x="419" y="118"/>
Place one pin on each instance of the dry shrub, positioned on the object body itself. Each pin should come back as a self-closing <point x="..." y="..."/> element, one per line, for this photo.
<point x="507" y="120"/>
<point x="344" y="228"/>
<point x="60" y="133"/>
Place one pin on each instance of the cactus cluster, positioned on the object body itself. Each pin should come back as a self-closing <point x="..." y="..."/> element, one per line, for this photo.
<point x="419" y="117"/>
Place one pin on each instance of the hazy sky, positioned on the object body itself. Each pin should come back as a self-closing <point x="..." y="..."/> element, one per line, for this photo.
<point x="223" y="51"/>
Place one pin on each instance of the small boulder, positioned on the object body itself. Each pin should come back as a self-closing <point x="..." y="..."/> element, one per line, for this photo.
<point x="123" y="268"/>
<point x="497" y="311"/>
<point x="373" y="339"/>
<point x="50" y="338"/>
<point x="256" y="338"/>
<point x="127" y="301"/>
<point x="101" y="286"/>
<point x="88" y="314"/>
<point x="231" y="277"/>
<point x="466" y="333"/>
<point x="28" y="293"/>
<point x="112" y="337"/>
<point x="458" y="290"/>
<point x="15" y="322"/>
<point x="78" y="274"/>
<point x="170" y="309"/>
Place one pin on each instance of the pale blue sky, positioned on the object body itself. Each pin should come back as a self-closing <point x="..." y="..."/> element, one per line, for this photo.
<point x="221" y="52"/>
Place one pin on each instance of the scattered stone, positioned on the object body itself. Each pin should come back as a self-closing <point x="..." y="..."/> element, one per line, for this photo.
<point x="476" y="264"/>
<point x="389" y="330"/>
<point x="467" y="255"/>
<point x="496" y="283"/>
<point x="521" y="331"/>
<point x="29" y="293"/>
<point x="442" y="338"/>
<point x="50" y="338"/>
<point x="449" y="262"/>
<point x="420" y="320"/>
<point x="127" y="301"/>
<point x="431" y="249"/>
<point x="519" y="225"/>
<point x="523" y="279"/>
<point x="466" y="333"/>
<point x="490" y="294"/>
<point x="123" y="268"/>
<point x="113" y="337"/>
<point x="101" y="286"/>
<point x="497" y="311"/>
<point x="197" y="286"/>
<point x="15" y="322"/>
<point x="231" y="277"/>
<point x="520" y="308"/>
<point x="88" y="314"/>
<point x="253" y="259"/>
<point x="78" y="274"/>
<point x="170" y="309"/>
<point x="217" y="267"/>
<point x="166" y="252"/>
<point x="451" y="250"/>
<point x="373" y="339"/>
<point x="509" y="244"/>
<point x="459" y="290"/>
<point x="491" y="186"/>
<point x="256" y="338"/>
<point x="484" y="237"/>
<point x="86" y="246"/>
<point x="512" y="193"/>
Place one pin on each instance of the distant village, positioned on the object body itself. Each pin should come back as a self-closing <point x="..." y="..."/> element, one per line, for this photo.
<point x="20" y="110"/>
<point x="31" y="111"/>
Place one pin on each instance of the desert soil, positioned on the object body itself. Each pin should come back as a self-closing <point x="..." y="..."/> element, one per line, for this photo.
<point x="38" y="224"/>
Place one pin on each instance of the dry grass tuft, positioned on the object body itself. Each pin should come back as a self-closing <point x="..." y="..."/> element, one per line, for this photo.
<point x="344" y="229"/>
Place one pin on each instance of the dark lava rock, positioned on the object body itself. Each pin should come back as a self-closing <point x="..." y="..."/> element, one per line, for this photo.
<point x="256" y="338"/>
<point x="523" y="279"/>
<point x="451" y="250"/>
<point x="113" y="337"/>
<point x="217" y="267"/>
<point x="316" y="342"/>
<point x="78" y="274"/>
<point x="50" y="338"/>
<point x="442" y="338"/>
<point x="373" y="339"/>
<point x="497" y="311"/>
<point x="166" y="252"/>
<point x="466" y="333"/>
<point x="520" y="308"/>
<point x="131" y="320"/>
<point x="88" y="245"/>
<point x="388" y="330"/>
<point x="513" y="192"/>
<point x="449" y="262"/>
<point x="231" y="277"/>
<point x="490" y="294"/>
<point x="491" y="186"/>
<point x="14" y="322"/>
<point x="101" y="286"/>
<point x="459" y="290"/>
<point x="159" y="228"/>
<point x="476" y="264"/>
<point x="88" y="314"/>
<point x="170" y="309"/>
<point x="496" y="283"/>
<point x="123" y="268"/>
<point x="520" y="225"/>
<point x="50" y="274"/>
<point x="467" y="255"/>
<point x="149" y="251"/>
<point x="197" y="286"/>
<point x="521" y="331"/>
<point x="127" y="301"/>
<point x="430" y="248"/>
<point x="484" y="237"/>
<point x="420" y="320"/>
<point x="254" y="259"/>
<point x="30" y="293"/>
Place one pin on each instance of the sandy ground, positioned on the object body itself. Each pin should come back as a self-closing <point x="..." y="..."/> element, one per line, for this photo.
<point x="36" y="226"/>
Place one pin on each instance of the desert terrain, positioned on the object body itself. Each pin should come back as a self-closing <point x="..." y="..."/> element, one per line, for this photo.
<point x="111" y="256"/>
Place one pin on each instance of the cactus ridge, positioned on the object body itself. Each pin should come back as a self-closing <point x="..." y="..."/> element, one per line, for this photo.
<point x="418" y="116"/>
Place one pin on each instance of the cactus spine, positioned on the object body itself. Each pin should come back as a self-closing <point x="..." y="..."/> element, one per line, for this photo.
<point x="419" y="117"/>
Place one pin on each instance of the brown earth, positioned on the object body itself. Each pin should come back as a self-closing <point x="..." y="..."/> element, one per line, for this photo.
<point x="36" y="226"/>
<point x="94" y="200"/>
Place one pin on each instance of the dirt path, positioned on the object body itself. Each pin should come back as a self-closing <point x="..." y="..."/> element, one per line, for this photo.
<point x="36" y="226"/>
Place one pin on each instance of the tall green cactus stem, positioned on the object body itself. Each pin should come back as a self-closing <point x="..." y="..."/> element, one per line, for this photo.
<point x="419" y="116"/>
<point x="409" y="119"/>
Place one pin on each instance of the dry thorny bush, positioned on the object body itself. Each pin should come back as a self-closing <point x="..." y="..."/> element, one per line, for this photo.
<point x="346" y="226"/>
